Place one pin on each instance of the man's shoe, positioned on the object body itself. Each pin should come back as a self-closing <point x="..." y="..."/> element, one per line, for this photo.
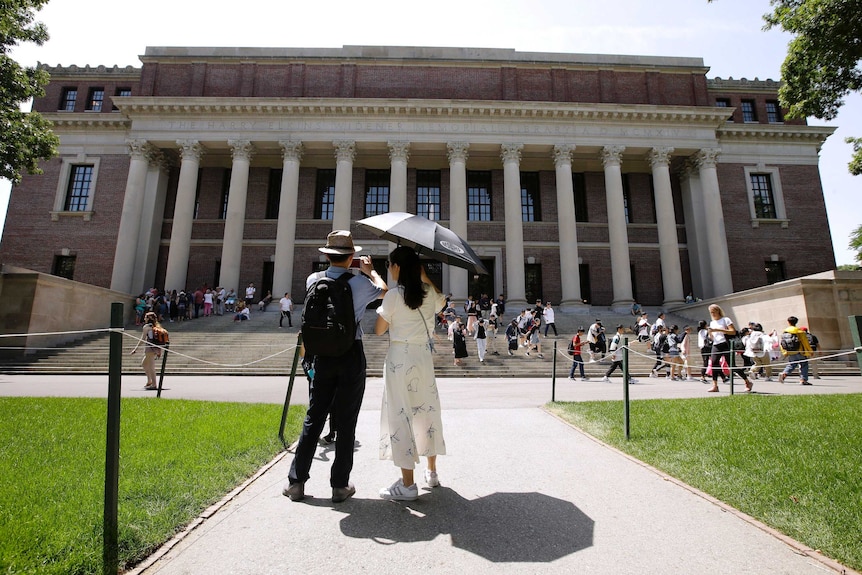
<point x="606" y="378"/>
<point x="782" y="377"/>
<point x="296" y="491"/>
<point x="326" y="440"/>
<point x="431" y="478"/>
<point x="399" y="492"/>
<point x="805" y="383"/>
<point x="339" y="494"/>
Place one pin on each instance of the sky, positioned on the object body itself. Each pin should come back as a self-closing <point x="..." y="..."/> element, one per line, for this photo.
<point x="727" y="34"/>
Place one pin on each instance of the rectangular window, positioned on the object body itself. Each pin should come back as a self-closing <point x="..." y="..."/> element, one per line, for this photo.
<point x="273" y="194"/>
<point x="531" y="206"/>
<point x="764" y="199"/>
<point x="775" y="272"/>
<point x="64" y="267"/>
<point x="580" y="186"/>
<point x="67" y="101"/>
<point x="773" y="112"/>
<point x="478" y="196"/>
<point x="78" y="190"/>
<point x="627" y="199"/>
<point x="586" y="288"/>
<point x="376" y="192"/>
<point x="748" y="112"/>
<point x="533" y="282"/>
<point x="324" y="195"/>
<point x="95" y="99"/>
<point x="428" y="194"/>
<point x="121" y="93"/>
<point x="722" y="103"/>
<point x="225" y="193"/>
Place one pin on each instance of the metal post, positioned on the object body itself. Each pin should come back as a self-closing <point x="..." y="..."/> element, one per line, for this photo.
<point x="732" y="361"/>
<point x="289" y="389"/>
<point x="162" y="372"/>
<point x="554" y="375"/>
<point x="626" y="410"/>
<point x="856" y="332"/>
<point x="110" y="560"/>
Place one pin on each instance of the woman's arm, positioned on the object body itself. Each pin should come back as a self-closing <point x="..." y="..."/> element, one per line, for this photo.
<point x="145" y="335"/>
<point x="381" y="327"/>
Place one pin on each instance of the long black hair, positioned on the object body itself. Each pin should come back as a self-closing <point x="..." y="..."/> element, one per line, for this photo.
<point x="409" y="275"/>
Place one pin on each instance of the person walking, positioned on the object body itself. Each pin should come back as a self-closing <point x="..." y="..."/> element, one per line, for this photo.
<point x="459" y="341"/>
<point x="410" y="419"/>
<point x="481" y="340"/>
<point x="151" y="350"/>
<point x="719" y="329"/>
<point x="704" y="344"/>
<point x="616" y="350"/>
<point x="491" y="333"/>
<point x="548" y="314"/>
<point x="534" y="341"/>
<point x="286" y="305"/>
<point x="814" y="344"/>
<point x="796" y="350"/>
<point x="575" y="350"/>
<point x="513" y="334"/>
<point x="757" y="348"/>
<point x="338" y="384"/>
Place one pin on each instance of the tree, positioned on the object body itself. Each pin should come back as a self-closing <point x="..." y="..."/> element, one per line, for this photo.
<point x="823" y="59"/>
<point x="25" y="137"/>
<point x="856" y="243"/>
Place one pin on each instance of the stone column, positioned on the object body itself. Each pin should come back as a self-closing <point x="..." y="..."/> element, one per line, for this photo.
<point x="282" y="280"/>
<point x="671" y="272"/>
<point x="458" y="153"/>
<point x="130" y="221"/>
<point x="515" y="282"/>
<point x="716" y="236"/>
<point x="234" y="225"/>
<point x="621" y="273"/>
<point x="184" y="212"/>
<point x="399" y="154"/>
<point x="695" y="229"/>
<point x="570" y="277"/>
<point x="152" y="216"/>
<point x="345" y="153"/>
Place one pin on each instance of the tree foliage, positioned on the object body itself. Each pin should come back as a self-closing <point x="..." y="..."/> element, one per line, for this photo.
<point x="25" y="137"/>
<point x="856" y="243"/>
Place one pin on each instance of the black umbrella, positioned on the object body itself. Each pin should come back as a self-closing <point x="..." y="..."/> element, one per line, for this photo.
<point x="426" y="237"/>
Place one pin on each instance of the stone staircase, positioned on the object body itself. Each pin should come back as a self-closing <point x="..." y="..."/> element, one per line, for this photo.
<point x="219" y="346"/>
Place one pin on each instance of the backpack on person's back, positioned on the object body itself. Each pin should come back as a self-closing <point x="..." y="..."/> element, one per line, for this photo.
<point x="756" y="342"/>
<point x="328" y="318"/>
<point x="790" y="342"/>
<point x="159" y="336"/>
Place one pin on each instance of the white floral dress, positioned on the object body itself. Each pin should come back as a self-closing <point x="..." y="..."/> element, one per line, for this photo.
<point x="410" y="420"/>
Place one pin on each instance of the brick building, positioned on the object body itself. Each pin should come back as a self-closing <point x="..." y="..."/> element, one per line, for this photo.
<point x="576" y="177"/>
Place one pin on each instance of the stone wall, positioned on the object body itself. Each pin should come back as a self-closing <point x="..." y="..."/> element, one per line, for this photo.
<point x="40" y="303"/>
<point x="822" y="302"/>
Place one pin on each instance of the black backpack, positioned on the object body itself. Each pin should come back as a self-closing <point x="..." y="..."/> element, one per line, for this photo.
<point x="790" y="341"/>
<point x="328" y="320"/>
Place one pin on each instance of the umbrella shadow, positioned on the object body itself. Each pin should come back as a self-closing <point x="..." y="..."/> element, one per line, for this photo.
<point x="501" y="527"/>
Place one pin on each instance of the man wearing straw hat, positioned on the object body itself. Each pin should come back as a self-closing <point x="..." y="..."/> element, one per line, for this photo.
<point x="338" y="384"/>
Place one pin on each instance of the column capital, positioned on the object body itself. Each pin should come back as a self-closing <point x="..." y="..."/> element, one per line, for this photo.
<point x="563" y="154"/>
<point x="457" y="151"/>
<point x="139" y="149"/>
<point x="191" y="150"/>
<point x="399" y="151"/>
<point x="345" y="150"/>
<point x="291" y="150"/>
<point x="659" y="157"/>
<point x="511" y="153"/>
<point x="157" y="158"/>
<point x="707" y="157"/>
<point x="612" y="155"/>
<point x="241" y="149"/>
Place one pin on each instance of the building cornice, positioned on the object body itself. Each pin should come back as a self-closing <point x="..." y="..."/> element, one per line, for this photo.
<point x="134" y="106"/>
<point x="771" y="132"/>
<point x="88" y="120"/>
<point x="742" y="85"/>
<point x="94" y="72"/>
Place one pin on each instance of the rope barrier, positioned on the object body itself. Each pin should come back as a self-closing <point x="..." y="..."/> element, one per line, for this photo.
<point x="207" y="362"/>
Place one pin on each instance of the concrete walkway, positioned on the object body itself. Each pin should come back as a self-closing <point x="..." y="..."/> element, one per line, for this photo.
<point x="522" y="492"/>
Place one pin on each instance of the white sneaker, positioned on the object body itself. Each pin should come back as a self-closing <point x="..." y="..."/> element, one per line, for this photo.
<point x="431" y="478"/>
<point x="653" y="373"/>
<point x="606" y="378"/>
<point x="585" y="379"/>
<point x="632" y="380"/>
<point x="398" y="492"/>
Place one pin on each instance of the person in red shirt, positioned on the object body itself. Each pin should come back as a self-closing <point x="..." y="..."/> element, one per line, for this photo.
<point x="578" y="341"/>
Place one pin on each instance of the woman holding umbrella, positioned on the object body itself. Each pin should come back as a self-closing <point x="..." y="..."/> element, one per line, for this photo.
<point x="410" y="421"/>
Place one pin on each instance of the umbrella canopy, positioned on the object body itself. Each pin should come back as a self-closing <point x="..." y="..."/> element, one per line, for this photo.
<point x="426" y="237"/>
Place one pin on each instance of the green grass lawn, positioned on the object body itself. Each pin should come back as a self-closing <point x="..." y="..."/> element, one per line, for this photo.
<point x="176" y="458"/>
<point x="794" y="463"/>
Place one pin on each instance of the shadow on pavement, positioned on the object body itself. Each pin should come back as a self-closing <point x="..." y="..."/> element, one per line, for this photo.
<point x="501" y="527"/>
